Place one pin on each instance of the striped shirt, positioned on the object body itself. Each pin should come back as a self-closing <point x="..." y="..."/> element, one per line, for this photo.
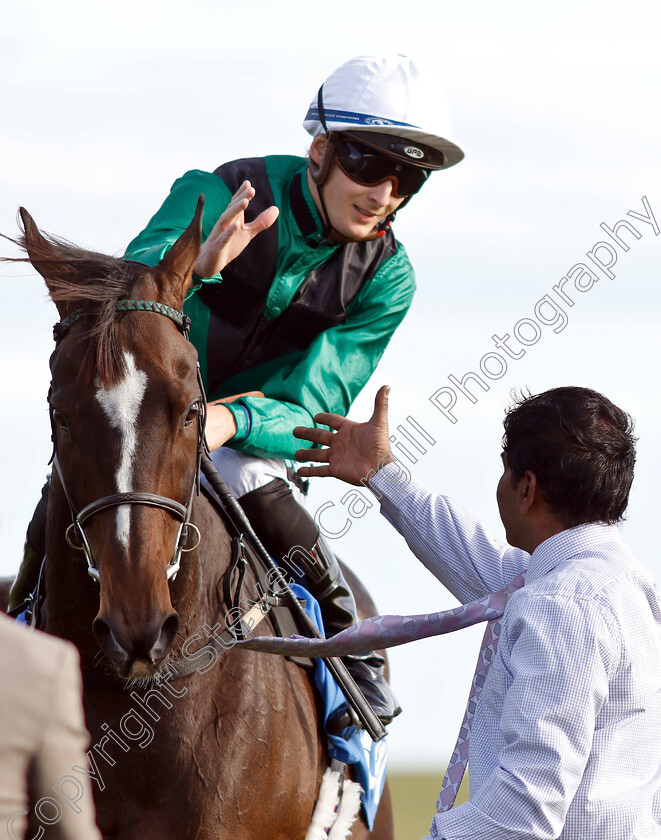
<point x="566" y="739"/>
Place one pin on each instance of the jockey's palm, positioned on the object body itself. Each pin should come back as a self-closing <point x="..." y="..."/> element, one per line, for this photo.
<point x="232" y="234"/>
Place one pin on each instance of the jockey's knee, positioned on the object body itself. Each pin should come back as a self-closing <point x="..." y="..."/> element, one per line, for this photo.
<point x="281" y="523"/>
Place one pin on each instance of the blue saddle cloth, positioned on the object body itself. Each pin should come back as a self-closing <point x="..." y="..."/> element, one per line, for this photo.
<point x="368" y="757"/>
<point x="22" y="617"/>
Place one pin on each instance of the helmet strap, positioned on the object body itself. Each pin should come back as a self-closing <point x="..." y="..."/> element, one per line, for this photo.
<point x="319" y="171"/>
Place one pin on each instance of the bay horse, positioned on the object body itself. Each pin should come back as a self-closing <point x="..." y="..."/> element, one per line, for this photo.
<point x="5" y="587"/>
<point x="233" y="750"/>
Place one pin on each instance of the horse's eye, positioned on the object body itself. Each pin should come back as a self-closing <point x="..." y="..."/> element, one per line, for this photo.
<point x="192" y="413"/>
<point x="60" y="419"/>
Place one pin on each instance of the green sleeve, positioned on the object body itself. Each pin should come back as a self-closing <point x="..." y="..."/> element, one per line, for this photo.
<point x="167" y="225"/>
<point x="177" y="212"/>
<point x="333" y="370"/>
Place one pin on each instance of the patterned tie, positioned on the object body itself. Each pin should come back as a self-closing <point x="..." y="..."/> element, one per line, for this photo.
<point x="384" y="631"/>
<point x="459" y="759"/>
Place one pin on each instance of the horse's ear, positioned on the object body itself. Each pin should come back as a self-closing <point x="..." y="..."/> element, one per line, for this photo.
<point x="43" y="255"/>
<point x="175" y="270"/>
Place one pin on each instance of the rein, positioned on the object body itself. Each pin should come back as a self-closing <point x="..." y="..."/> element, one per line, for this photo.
<point x="75" y="533"/>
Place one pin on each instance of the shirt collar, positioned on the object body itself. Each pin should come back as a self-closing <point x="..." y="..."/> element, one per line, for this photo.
<point x="567" y="544"/>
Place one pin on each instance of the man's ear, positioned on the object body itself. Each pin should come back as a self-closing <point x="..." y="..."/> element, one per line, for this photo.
<point x="528" y="491"/>
<point x="320" y="158"/>
<point x="317" y="148"/>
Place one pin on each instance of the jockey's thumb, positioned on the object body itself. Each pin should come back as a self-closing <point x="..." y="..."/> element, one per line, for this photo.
<point x="265" y="219"/>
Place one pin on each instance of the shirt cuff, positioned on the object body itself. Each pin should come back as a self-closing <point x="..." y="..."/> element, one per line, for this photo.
<point x="391" y="486"/>
<point x="243" y="420"/>
<point x="466" y="822"/>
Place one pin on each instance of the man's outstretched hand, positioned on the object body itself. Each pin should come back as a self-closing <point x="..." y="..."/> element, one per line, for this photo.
<point x="354" y="450"/>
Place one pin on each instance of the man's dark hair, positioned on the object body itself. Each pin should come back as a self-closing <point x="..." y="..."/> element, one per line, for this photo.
<point x="580" y="447"/>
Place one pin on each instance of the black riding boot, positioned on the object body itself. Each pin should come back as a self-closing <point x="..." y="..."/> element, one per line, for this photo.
<point x="33" y="554"/>
<point x="291" y="537"/>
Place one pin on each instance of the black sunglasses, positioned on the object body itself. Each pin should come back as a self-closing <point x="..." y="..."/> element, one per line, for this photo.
<point x="365" y="166"/>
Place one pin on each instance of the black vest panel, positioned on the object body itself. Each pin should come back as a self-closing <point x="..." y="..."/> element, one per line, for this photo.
<point x="240" y="337"/>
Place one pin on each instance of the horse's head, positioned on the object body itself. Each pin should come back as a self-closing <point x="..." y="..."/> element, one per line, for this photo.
<point x="125" y="406"/>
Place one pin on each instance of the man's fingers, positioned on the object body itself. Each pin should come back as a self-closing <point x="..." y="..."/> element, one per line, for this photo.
<point x="237" y="204"/>
<point x="226" y="225"/>
<point x="322" y="436"/>
<point x="230" y="220"/>
<point x="308" y="472"/>
<point x="320" y="456"/>
<point x="234" y="209"/>
<point x="332" y="420"/>
<point x="245" y="191"/>
<point x="239" y="201"/>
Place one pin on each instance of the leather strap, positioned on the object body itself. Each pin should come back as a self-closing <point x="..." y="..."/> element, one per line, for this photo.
<point x="132" y="498"/>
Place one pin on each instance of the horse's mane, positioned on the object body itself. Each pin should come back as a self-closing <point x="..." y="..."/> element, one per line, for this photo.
<point x="90" y="282"/>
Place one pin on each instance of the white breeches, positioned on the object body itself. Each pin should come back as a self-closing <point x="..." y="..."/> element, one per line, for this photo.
<point x="244" y="473"/>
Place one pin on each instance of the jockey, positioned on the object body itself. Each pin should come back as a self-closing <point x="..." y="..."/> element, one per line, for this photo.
<point x="301" y="316"/>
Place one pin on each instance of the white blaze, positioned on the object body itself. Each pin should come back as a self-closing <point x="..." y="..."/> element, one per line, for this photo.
<point x="121" y="405"/>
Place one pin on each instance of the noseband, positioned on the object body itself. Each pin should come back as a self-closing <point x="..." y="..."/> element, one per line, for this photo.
<point x="75" y="533"/>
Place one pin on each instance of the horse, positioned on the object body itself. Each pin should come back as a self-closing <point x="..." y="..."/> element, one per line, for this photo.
<point x="234" y="749"/>
<point x="5" y="587"/>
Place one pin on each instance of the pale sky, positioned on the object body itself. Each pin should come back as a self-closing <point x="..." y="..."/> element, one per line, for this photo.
<point x="557" y="109"/>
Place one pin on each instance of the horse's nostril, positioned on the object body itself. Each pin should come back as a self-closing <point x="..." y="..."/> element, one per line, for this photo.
<point x="106" y="638"/>
<point x="166" y="638"/>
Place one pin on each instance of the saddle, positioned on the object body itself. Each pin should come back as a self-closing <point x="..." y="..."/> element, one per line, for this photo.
<point x="285" y="622"/>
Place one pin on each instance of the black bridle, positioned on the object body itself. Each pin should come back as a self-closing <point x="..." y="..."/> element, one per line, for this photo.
<point x="75" y="533"/>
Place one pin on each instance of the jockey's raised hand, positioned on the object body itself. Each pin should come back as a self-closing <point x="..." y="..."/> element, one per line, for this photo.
<point x="353" y="450"/>
<point x="231" y="233"/>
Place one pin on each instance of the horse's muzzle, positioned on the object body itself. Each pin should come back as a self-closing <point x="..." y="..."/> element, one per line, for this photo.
<point x="133" y="651"/>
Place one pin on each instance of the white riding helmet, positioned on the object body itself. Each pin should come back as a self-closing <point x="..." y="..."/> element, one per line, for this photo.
<point x="386" y="96"/>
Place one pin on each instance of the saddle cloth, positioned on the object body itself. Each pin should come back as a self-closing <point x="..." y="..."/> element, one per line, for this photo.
<point x="368" y="759"/>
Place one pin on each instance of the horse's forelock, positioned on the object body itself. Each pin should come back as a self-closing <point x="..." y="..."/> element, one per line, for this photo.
<point x="92" y="282"/>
